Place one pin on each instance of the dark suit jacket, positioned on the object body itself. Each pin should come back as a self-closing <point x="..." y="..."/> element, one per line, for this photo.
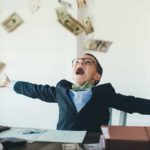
<point x="94" y="114"/>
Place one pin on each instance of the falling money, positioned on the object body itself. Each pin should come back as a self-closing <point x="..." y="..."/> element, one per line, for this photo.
<point x="12" y="22"/>
<point x="61" y="12"/>
<point x="71" y="147"/>
<point x="92" y="147"/>
<point x="81" y="3"/>
<point x="88" y="25"/>
<point x="34" y="5"/>
<point x="65" y="4"/>
<point x="2" y="66"/>
<point x="97" y="45"/>
<point x="69" y="22"/>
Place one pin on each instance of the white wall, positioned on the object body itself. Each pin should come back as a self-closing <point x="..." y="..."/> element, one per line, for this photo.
<point x="34" y="51"/>
<point x="126" y="65"/>
<point x="38" y="51"/>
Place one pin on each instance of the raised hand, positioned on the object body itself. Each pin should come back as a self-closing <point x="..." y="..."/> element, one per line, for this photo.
<point x="4" y="80"/>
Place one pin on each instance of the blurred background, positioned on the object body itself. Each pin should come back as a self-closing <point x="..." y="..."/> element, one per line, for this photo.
<point x="41" y="50"/>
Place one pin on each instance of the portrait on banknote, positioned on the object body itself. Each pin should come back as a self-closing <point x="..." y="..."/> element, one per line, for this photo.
<point x="61" y="12"/>
<point x="69" y="22"/>
<point x="88" y="25"/>
<point x="12" y="22"/>
<point x="81" y="3"/>
<point x="97" y="45"/>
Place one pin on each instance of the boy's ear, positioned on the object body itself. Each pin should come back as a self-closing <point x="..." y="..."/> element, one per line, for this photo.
<point x="97" y="77"/>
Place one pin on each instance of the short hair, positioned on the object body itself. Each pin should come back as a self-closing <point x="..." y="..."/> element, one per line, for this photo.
<point x="99" y="68"/>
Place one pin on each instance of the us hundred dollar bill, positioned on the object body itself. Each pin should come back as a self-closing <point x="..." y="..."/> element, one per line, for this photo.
<point x="12" y="22"/>
<point x="61" y="12"/>
<point x="81" y="4"/>
<point x="34" y="5"/>
<point x="71" y="147"/>
<point x="69" y="22"/>
<point x="93" y="147"/>
<point x="2" y="66"/>
<point x="65" y="4"/>
<point x="88" y="25"/>
<point x="97" y="45"/>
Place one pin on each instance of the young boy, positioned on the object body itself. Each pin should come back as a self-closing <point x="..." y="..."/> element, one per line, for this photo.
<point x="83" y="105"/>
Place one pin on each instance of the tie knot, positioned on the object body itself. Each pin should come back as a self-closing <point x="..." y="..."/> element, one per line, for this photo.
<point x="83" y="87"/>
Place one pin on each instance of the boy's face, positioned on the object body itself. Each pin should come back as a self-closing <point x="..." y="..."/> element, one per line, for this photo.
<point x="84" y="70"/>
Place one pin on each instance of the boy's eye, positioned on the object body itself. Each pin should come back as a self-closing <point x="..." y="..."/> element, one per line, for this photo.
<point x="87" y="62"/>
<point x="77" y="62"/>
<point x="83" y="61"/>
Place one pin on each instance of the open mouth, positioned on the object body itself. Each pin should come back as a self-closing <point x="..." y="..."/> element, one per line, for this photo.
<point x="79" y="71"/>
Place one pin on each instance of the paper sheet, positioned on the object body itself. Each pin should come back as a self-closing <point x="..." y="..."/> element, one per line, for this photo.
<point x="63" y="136"/>
<point x="34" y="135"/>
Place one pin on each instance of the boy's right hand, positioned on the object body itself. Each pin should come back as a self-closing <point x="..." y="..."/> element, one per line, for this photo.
<point x="4" y="81"/>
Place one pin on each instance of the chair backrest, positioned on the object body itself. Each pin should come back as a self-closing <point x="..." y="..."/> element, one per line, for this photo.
<point x="110" y="120"/>
<point x="122" y="118"/>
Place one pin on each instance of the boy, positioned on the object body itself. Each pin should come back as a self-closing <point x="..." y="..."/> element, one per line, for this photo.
<point x="83" y="106"/>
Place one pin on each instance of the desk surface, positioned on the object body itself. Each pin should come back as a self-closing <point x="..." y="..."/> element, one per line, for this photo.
<point x="89" y="138"/>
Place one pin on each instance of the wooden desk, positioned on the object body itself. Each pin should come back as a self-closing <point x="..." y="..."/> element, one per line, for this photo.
<point x="38" y="146"/>
<point x="89" y="138"/>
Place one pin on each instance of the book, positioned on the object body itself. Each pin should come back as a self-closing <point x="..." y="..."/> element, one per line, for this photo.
<point x="125" y="138"/>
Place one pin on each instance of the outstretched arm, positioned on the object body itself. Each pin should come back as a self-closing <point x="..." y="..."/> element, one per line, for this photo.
<point x="130" y="104"/>
<point x="42" y="92"/>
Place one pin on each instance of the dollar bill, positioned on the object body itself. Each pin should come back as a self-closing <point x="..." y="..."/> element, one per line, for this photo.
<point x="2" y="66"/>
<point x="88" y="25"/>
<point x="65" y="4"/>
<point x="81" y="3"/>
<point x="34" y="5"/>
<point x="61" y="12"/>
<point x="12" y="22"/>
<point x="69" y="22"/>
<point x="97" y="45"/>
<point x="93" y="147"/>
<point x="70" y="147"/>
